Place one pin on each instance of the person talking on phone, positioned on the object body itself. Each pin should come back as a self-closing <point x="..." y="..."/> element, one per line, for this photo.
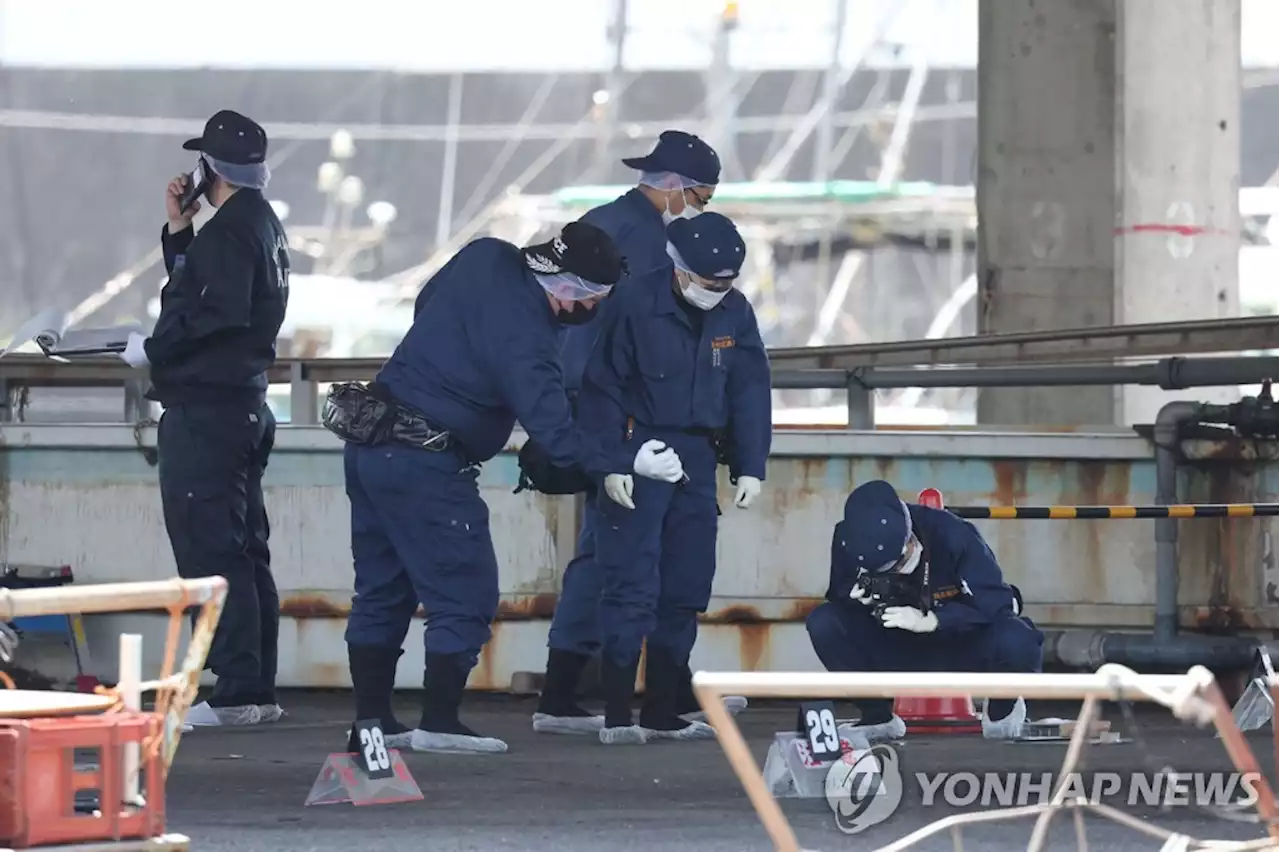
<point x="209" y="353"/>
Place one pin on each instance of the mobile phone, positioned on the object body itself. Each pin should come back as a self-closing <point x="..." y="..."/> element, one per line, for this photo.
<point x="197" y="183"/>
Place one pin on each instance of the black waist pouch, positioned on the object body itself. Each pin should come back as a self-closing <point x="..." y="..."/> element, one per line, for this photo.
<point x="359" y="413"/>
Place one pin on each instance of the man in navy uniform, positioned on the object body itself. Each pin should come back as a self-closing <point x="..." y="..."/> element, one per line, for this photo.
<point x="481" y="354"/>
<point x="676" y="364"/>
<point x="952" y="610"/>
<point x="678" y="179"/>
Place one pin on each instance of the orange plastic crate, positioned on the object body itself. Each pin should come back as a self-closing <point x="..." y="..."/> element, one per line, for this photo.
<point x="41" y="773"/>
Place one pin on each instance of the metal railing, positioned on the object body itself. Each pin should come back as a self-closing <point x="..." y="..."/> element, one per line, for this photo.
<point x="305" y="378"/>
<point x="1146" y="340"/>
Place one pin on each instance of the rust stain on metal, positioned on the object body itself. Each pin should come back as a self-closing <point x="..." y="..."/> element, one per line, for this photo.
<point x="482" y="674"/>
<point x="1011" y="482"/>
<point x="753" y="645"/>
<point x="741" y="614"/>
<point x="305" y="606"/>
<point x="527" y="608"/>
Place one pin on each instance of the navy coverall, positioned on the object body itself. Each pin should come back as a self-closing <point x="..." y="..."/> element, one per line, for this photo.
<point x="637" y="228"/>
<point x="212" y="345"/>
<point x="978" y="630"/>
<point x="484" y="355"/>
<point x="664" y="369"/>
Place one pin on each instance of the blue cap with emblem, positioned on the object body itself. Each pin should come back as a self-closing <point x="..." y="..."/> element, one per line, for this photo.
<point x="708" y="245"/>
<point x="877" y="526"/>
<point x="683" y="154"/>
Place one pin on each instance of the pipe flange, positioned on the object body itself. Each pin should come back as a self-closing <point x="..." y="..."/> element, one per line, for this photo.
<point x="1081" y="648"/>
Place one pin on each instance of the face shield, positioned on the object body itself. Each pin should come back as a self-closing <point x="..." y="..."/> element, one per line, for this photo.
<point x="696" y="195"/>
<point x="567" y="287"/>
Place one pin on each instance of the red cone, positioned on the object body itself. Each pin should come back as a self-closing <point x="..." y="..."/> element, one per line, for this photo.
<point x="954" y="715"/>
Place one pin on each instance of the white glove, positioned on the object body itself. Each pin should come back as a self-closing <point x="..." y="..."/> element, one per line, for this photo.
<point x="748" y="490"/>
<point x="658" y="461"/>
<point x="618" y="486"/>
<point x="135" y="354"/>
<point x="859" y="594"/>
<point x="909" y="618"/>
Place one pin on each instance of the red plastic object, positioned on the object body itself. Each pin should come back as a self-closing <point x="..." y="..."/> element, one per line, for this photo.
<point x="86" y="683"/>
<point x="938" y="715"/>
<point x="930" y="497"/>
<point x="40" y="777"/>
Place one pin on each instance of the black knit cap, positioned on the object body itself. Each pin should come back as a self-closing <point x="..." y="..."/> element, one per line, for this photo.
<point x="582" y="249"/>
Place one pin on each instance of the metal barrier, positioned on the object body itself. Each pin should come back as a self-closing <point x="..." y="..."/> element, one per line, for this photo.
<point x="304" y="377"/>
<point x="1109" y="513"/>
<point x="1144" y="340"/>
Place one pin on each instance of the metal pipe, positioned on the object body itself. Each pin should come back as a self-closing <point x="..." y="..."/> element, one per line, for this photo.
<point x="1169" y="373"/>
<point x="1168" y="422"/>
<point x="1089" y="649"/>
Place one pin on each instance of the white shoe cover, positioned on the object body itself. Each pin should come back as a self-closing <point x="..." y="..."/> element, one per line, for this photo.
<point x="894" y="729"/>
<point x="203" y="716"/>
<point x="694" y="731"/>
<point x="1008" y="728"/>
<point x="572" y="725"/>
<point x="420" y="740"/>
<point x="270" y="713"/>
<point x="735" y="704"/>
<point x="630" y="735"/>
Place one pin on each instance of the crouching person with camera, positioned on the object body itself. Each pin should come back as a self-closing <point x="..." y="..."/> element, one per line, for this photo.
<point x="917" y="589"/>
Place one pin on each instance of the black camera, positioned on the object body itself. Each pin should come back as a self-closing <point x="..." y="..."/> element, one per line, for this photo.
<point x="891" y="589"/>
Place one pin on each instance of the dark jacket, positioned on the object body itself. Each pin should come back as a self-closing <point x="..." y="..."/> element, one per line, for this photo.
<point x="966" y="587"/>
<point x="483" y="352"/>
<point x="223" y="306"/>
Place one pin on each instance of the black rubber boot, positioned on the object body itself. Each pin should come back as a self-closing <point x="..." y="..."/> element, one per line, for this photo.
<point x="661" y="687"/>
<point x="619" y="684"/>
<point x="444" y="679"/>
<point x="874" y="711"/>
<point x="560" y="686"/>
<point x="373" y="678"/>
<point x="686" y="701"/>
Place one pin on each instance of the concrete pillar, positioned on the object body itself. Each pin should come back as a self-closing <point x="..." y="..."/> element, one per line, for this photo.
<point x="1177" y="245"/>
<point x="1046" y="187"/>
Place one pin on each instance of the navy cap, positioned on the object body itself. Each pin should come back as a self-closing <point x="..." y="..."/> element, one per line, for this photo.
<point x="682" y="153"/>
<point x="231" y="138"/>
<point x="877" y="526"/>
<point x="709" y="246"/>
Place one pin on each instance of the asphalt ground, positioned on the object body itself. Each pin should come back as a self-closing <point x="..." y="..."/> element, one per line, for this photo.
<point x="244" y="789"/>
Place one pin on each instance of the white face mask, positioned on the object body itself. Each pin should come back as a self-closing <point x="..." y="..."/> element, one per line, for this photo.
<point x="689" y="212"/>
<point x="700" y="297"/>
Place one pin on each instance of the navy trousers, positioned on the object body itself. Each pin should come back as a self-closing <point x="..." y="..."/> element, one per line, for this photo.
<point x="419" y="533"/>
<point x="575" y="627"/>
<point x="657" y="561"/>
<point x="212" y="458"/>
<point x="847" y="638"/>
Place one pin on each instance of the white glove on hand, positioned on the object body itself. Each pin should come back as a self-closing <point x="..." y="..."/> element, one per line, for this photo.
<point x="658" y="461"/>
<point x="748" y="490"/>
<point x="618" y="486"/>
<point x="860" y="594"/>
<point x="909" y="618"/>
<point x="135" y="354"/>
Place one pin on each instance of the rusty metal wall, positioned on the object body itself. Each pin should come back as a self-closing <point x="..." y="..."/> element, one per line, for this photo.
<point x="85" y="496"/>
